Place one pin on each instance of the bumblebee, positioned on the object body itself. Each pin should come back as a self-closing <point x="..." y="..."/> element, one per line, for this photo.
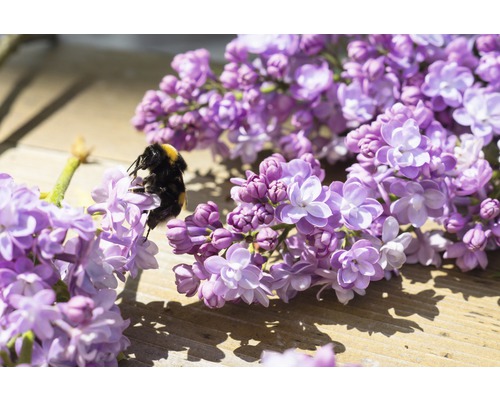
<point x="165" y="179"/>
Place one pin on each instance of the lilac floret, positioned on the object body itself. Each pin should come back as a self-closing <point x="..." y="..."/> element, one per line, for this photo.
<point x="406" y="148"/>
<point x="236" y="276"/>
<point x="445" y="84"/>
<point x="310" y="81"/>
<point x="351" y="199"/>
<point x="358" y="265"/>
<point x="418" y="201"/>
<point x="307" y="205"/>
<point x="480" y="111"/>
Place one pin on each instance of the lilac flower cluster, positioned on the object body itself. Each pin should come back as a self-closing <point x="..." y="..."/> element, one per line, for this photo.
<point x="289" y="231"/>
<point x="58" y="273"/>
<point x="304" y="93"/>
<point x="420" y="114"/>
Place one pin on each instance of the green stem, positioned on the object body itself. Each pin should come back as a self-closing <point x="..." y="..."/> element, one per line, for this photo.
<point x="57" y="193"/>
<point x="27" y="348"/>
<point x="6" y="359"/>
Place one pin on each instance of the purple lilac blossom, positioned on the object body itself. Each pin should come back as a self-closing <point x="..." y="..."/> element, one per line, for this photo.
<point x="358" y="265"/>
<point x="351" y="199"/>
<point x="310" y="81"/>
<point x="418" y="201"/>
<point x="445" y="84"/>
<point x="392" y="250"/>
<point x="85" y="329"/>
<point x="307" y="205"/>
<point x="406" y="148"/>
<point x="237" y="277"/>
<point x="480" y="111"/>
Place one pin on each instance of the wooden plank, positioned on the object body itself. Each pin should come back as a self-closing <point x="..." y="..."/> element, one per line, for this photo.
<point x="427" y="317"/>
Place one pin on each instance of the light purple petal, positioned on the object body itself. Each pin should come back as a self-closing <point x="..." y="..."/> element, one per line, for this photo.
<point x="390" y="229"/>
<point x="214" y="264"/>
<point x="355" y="193"/>
<point x="417" y="217"/>
<point x="366" y="268"/>
<point x="359" y="218"/>
<point x="320" y="210"/>
<point x="434" y="199"/>
<point x="291" y="214"/>
<point x="311" y="189"/>
<point x="240" y="256"/>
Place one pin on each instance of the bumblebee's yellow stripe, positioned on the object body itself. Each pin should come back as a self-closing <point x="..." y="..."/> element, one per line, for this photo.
<point x="182" y="198"/>
<point x="171" y="152"/>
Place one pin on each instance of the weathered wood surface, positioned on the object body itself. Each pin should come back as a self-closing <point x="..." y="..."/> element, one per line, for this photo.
<point x="428" y="317"/>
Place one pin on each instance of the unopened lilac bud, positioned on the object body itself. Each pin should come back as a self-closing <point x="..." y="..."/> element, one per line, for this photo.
<point x="423" y="115"/>
<point x="374" y="68"/>
<point x="295" y="144"/>
<point x="475" y="239"/>
<point x="277" y="65"/>
<point x="359" y="51"/>
<point x="178" y="237"/>
<point x="455" y="222"/>
<point x="185" y="88"/>
<point x="207" y="214"/>
<point x="169" y="105"/>
<point x="263" y="214"/>
<point x="241" y="219"/>
<point x="411" y="95"/>
<point x="247" y="76"/>
<point x="369" y="145"/>
<point x="325" y="242"/>
<point x="207" y="294"/>
<point x="207" y="250"/>
<point x="277" y="191"/>
<point x="271" y="168"/>
<point x="312" y="44"/>
<point x="168" y="84"/>
<point x="229" y="77"/>
<point x="222" y="238"/>
<point x="267" y="239"/>
<point x="235" y="51"/>
<point x="490" y="209"/>
<point x="175" y="121"/>
<point x="302" y="119"/>
<point x="487" y="43"/>
<point x="186" y="281"/>
<point x="78" y="309"/>
<point x="256" y="186"/>
<point x="315" y="165"/>
<point x="191" y="118"/>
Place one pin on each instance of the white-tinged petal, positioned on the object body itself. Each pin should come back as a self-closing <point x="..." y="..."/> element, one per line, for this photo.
<point x="390" y="229"/>
<point x="417" y="217"/>
<point x="434" y="199"/>
<point x="240" y="258"/>
<point x="214" y="264"/>
<point x="320" y="210"/>
<point x="310" y="189"/>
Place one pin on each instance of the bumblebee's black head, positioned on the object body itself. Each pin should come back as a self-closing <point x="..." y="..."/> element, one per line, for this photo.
<point x="159" y="156"/>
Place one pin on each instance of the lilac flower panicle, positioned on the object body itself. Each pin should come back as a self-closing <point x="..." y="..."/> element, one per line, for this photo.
<point x="59" y="284"/>
<point x="416" y="116"/>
